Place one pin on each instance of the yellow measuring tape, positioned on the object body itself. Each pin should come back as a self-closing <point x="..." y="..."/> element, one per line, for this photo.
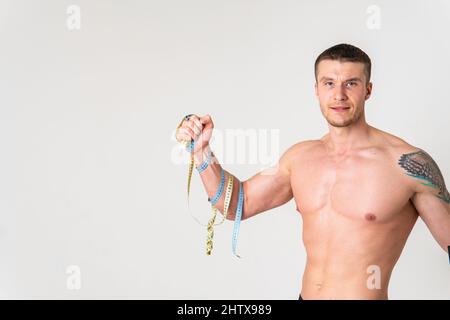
<point x="228" y="195"/>
<point x="229" y="191"/>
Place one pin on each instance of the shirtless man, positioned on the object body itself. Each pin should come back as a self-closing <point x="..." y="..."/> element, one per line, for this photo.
<point x="358" y="189"/>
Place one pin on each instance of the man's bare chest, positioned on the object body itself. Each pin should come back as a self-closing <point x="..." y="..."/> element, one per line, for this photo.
<point x="358" y="187"/>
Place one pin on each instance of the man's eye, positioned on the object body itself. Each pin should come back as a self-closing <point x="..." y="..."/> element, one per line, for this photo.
<point x="351" y="84"/>
<point x="328" y="83"/>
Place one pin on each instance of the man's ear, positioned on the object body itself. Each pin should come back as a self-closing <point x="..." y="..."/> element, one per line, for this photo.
<point x="315" y="89"/>
<point x="368" y="90"/>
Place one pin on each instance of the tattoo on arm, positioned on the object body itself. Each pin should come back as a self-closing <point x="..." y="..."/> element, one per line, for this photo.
<point x="420" y="165"/>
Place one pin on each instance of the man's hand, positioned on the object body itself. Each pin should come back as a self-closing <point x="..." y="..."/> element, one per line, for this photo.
<point x="198" y="129"/>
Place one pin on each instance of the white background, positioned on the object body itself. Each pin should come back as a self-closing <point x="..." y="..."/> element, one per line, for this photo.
<point x="87" y="173"/>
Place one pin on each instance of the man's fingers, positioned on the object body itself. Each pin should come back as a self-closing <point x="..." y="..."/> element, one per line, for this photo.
<point x="191" y="124"/>
<point x="197" y="123"/>
<point x="191" y="133"/>
<point x="193" y="128"/>
<point x="187" y="133"/>
<point x="184" y="137"/>
<point x="196" y="130"/>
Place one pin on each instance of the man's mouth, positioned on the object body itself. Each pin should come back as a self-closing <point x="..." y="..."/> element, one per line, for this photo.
<point x="340" y="108"/>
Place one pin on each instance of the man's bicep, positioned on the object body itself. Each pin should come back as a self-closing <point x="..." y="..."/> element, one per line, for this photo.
<point x="431" y="198"/>
<point x="436" y="215"/>
<point x="268" y="189"/>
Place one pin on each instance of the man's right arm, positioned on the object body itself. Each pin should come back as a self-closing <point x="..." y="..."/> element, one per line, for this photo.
<point x="264" y="191"/>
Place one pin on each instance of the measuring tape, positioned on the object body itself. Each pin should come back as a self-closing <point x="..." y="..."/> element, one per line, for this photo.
<point x="237" y="219"/>
<point x="209" y="244"/>
<point x="227" y="200"/>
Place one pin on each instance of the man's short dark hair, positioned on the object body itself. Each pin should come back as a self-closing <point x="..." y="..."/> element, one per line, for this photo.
<point x="345" y="53"/>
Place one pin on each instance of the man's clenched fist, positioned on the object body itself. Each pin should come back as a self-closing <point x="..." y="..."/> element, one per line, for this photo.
<point x="196" y="128"/>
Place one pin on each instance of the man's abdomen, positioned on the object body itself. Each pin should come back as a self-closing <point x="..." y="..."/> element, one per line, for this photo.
<point x="352" y="259"/>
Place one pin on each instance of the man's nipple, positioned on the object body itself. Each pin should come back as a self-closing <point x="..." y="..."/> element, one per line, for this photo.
<point x="370" y="217"/>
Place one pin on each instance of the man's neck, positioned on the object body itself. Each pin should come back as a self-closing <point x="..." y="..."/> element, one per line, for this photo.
<point x="342" y="140"/>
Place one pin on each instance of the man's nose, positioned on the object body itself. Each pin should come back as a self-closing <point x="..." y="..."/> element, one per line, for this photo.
<point x="339" y="93"/>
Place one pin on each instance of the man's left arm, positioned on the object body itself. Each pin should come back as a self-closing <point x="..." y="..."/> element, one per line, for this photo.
<point x="431" y="197"/>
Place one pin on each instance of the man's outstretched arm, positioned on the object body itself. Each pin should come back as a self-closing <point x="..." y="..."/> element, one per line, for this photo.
<point x="431" y="198"/>
<point x="265" y="190"/>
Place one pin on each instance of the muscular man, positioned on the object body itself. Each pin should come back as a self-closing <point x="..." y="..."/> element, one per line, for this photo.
<point x="358" y="189"/>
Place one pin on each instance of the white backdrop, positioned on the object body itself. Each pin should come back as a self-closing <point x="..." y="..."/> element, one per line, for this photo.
<point x="91" y="91"/>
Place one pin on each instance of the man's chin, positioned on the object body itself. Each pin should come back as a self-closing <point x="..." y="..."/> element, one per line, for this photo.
<point x="340" y="124"/>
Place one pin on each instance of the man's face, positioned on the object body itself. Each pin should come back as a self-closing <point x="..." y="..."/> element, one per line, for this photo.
<point x="341" y="84"/>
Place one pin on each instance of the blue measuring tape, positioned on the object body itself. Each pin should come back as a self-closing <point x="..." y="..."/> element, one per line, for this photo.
<point x="237" y="219"/>
<point x="240" y="204"/>
<point x="219" y="192"/>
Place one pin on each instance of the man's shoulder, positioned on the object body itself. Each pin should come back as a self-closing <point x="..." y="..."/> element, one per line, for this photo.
<point x="388" y="142"/>
<point x="401" y="154"/>
<point x="298" y="152"/>
<point x="396" y="146"/>
<point x="301" y="147"/>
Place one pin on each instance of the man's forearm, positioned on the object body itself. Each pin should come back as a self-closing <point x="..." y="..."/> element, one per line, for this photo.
<point x="211" y="177"/>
